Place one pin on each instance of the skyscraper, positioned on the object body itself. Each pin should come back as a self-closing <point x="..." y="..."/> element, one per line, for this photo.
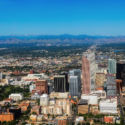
<point x="121" y="72"/>
<point x="73" y="85"/>
<point x="61" y="83"/>
<point x="88" y="71"/>
<point x="76" y="72"/>
<point x="111" y="85"/>
<point x="112" y="66"/>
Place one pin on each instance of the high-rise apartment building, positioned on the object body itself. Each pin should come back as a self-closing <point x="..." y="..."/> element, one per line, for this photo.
<point x="88" y="72"/>
<point x="61" y="83"/>
<point x="76" y="72"/>
<point x="112" y="66"/>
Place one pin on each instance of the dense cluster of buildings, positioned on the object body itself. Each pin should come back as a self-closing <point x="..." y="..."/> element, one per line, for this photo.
<point x="53" y="99"/>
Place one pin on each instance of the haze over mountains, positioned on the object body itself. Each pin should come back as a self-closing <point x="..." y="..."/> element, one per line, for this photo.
<point x="60" y="39"/>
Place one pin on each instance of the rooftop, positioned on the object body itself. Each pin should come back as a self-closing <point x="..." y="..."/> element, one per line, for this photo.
<point x="83" y="102"/>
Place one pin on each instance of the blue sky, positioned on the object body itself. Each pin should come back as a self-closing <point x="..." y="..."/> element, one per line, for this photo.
<point x="91" y="17"/>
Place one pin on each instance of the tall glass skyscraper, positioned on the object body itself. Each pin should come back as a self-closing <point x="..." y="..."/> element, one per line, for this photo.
<point x="73" y="85"/>
<point x="75" y="82"/>
<point x="112" y="66"/>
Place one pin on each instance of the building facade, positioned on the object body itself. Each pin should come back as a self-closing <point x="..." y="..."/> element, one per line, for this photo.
<point x="66" y="105"/>
<point x="7" y="116"/>
<point x="111" y="66"/>
<point x="111" y="85"/>
<point x="99" y="80"/>
<point x="60" y="83"/>
<point x="16" y="96"/>
<point x="73" y="85"/>
<point x="42" y="85"/>
<point x="121" y="72"/>
<point x="76" y="72"/>
<point x="36" y="109"/>
<point x="88" y="71"/>
<point x="53" y="110"/>
<point x="108" y="106"/>
<point x="44" y="100"/>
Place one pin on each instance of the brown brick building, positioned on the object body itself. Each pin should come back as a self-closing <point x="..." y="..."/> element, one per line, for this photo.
<point x="61" y="120"/>
<point x="7" y="116"/>
<point x="42" y="85"/>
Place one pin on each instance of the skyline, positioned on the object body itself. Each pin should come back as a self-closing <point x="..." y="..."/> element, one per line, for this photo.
<point x="57" y="17"/>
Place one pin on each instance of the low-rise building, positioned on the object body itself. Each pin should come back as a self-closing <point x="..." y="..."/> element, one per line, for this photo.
<point x="56" y="110"/>
<point x="16" y="96"/>
<point x="83" y="106"/>
<point x="35" y="96"/>
<point x="100" y="94"/>
<point x="8" y="100"/>
<point x="24" y="109"/>
<point x="36" y="109"/>
<point x="25" y="103"/>
<point x="92" y="99"/>
<point x="61" y="120"/>
<point x="66" y="105"/>
<point x="7" y="116"/>
<point x="108" y="106"/>
<point x="109" y="119"/>
<point x="59" y="95"/>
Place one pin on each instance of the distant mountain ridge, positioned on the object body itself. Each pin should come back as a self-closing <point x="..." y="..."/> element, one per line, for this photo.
<point x="60" y="39"/>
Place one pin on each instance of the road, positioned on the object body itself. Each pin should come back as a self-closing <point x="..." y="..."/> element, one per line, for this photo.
<point x="120" y="107"/>
<point x="74" y="115"/>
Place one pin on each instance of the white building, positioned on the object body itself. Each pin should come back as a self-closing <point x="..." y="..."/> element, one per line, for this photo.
<point x="108" y="106"/>
<point x="100" y="94"/>
<point x="35" y="76"/>
<point x="44" y="100"/>
<point x="35" y="96"/>
<point x="16" y="96"/>
<point x="20" y="83"/>
<point x="31" y="87"/>
<point x="92" y="99"/>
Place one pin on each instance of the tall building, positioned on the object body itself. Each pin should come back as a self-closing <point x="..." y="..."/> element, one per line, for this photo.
<point x="112" y="66"/>
<point x="88" y="72"/>
<point x="121" y="72"/>
<point x="61" y="83"/>
<point x="111" y="85"/>
<point x="73" y="85"/>
<point x="99" y="80"/>
<point x="76" y="72"/>
<point x="118" y="86"/>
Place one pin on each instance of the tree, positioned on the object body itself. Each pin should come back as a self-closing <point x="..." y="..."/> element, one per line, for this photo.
<point x="122" y="121"/>
<point x="34" y="113"/>
<point x="87" y="123"/>
<point x="48" y="115"/>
